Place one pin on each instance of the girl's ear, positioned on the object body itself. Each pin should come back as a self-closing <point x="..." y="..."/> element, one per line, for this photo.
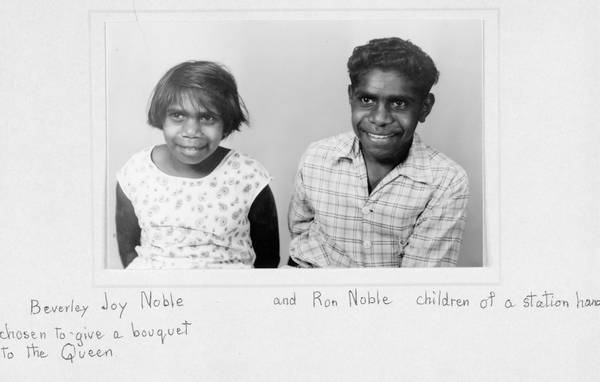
<point x="350" y="93"/>
<point x="426" y="107"/>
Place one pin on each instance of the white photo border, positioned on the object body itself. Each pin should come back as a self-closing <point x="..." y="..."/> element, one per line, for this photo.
<point x="488" y="274"/>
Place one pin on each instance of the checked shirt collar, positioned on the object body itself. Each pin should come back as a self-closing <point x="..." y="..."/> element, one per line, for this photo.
<point x="417" y="165"/>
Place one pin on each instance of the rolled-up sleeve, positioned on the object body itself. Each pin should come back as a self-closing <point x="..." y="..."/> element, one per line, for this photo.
<point x="306" y="245"/>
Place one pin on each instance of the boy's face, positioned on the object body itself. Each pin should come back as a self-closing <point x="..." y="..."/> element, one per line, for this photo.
<point x="386" y="108"/>
<point x="191" y="131"/>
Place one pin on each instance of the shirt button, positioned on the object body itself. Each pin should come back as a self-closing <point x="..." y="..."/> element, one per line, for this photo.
<point x="367" y="244"/>
<point x="366" y="210"/>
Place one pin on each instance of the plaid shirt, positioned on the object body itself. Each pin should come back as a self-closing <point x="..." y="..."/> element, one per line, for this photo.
<point x="414" y="217"/>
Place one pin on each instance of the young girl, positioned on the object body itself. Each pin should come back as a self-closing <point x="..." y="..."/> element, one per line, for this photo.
<point x="190" y="203"/>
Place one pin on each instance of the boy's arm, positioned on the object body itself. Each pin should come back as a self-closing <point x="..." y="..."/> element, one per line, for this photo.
<point x="300" y="213"/>
<point x="437" y="235"/>
<point x="300" y="216"/>
<point x="264" y="230"/>
<point x="128" y="229"/>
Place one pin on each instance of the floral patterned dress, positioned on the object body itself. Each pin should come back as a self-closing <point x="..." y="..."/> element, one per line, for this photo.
<point x="191" y="223"/>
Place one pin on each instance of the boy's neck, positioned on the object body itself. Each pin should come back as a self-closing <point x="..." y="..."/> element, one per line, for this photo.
<point x="377" y="169"/>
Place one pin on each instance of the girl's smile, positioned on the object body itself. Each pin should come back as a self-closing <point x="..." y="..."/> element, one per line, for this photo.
<point x="189" y="150"/>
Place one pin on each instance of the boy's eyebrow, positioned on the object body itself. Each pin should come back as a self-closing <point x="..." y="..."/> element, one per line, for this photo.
<point x="362" y="93"/>
<point x="402" y="98"/>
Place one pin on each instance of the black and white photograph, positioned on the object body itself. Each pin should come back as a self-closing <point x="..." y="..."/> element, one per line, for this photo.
<point x="405" y="99"/>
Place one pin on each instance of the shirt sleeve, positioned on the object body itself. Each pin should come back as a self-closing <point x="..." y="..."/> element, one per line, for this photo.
<point x="300" y="218"/>
<point x="437" y="235"/>
<point x="300" y="213"/>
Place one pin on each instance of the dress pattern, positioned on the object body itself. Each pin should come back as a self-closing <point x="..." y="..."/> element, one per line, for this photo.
<point x="189" y="223"/>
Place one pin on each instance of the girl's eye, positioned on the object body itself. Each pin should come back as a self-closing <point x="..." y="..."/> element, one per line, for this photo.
<point x="207" y="118"/>
<point x="177" y="117"/>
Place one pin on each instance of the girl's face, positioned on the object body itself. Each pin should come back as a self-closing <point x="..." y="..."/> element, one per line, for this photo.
<point x="192" y="131"/>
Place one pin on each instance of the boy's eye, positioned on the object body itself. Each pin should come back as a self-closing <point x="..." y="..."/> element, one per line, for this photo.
<point x="399" y="104"/>
<point x="365" y="100"/>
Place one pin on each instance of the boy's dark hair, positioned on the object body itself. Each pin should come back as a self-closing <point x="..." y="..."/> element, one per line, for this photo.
<point x="199" y="80"/>
<point x="395" y="54"/>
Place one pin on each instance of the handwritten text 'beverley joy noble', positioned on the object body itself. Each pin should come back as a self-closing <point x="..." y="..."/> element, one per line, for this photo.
<point x="147" y="300"/>
<point x="83" y="341"/>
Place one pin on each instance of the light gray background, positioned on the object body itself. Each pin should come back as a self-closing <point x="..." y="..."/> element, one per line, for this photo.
<point x="292" y="75"/>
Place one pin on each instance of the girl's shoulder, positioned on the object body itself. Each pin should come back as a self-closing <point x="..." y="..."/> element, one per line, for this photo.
<point x="245" y="163"/>
<point x="247" y="174"/>
<point x="142" y="155"/>
<point x="137" y="163"/>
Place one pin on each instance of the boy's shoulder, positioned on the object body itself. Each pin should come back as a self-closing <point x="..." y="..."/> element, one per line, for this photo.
<point x="443" y="168"/>
<point x="332" y="147"/>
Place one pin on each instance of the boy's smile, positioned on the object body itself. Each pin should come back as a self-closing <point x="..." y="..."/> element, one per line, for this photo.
<point x="386" y="108"/>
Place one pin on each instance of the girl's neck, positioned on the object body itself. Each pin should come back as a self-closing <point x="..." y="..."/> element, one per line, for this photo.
<point x="163" y="160"/>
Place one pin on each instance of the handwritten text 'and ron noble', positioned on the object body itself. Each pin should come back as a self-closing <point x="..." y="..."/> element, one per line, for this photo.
<point x="352" y="298"/>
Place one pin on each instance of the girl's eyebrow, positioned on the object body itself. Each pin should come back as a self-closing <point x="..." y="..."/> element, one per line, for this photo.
<point x="183" y="111"/>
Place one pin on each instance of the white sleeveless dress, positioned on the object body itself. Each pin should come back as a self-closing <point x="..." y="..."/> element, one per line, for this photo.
<point x="189" y="223"/>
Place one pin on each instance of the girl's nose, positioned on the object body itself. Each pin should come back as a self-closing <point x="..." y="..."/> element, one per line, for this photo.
<point x="191" y="128"/>
<point x="380" y="116"/>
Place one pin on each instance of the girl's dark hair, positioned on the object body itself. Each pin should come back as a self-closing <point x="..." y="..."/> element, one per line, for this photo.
<point x="199" y="80"/>
<point x="395" y="54"/>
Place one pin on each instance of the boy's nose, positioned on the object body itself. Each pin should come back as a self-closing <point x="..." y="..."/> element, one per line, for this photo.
<point x="380" y="116"/>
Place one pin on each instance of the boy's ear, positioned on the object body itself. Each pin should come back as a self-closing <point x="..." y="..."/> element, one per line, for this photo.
<point x="426" y="107"/>
<point x="350" y="93"/>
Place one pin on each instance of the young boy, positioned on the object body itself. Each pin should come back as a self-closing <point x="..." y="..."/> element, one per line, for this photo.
<point x="378" y="196"/>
